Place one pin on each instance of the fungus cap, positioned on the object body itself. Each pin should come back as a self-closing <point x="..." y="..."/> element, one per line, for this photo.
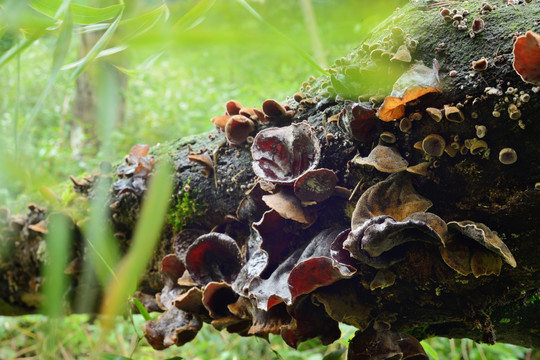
<point x="434" y="145"/>
<point x="507" y="156"/>
<point x="385" y="159"/>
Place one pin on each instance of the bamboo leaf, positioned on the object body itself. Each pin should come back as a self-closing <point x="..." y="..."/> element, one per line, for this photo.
<point x="193" y="16"/>
<point x="143" y="67"/>
<point x="83" y="15"/>
<point x="60" y="52"/>
<point x="97" y="48"/>
<point x="131" y="28"/>
<point x="147" y="233"/>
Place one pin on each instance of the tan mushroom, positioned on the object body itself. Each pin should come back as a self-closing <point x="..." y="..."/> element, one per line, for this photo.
<point x="383" y="158"/>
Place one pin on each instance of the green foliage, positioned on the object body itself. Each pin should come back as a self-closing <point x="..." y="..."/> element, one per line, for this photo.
<point x="185" y="209"/>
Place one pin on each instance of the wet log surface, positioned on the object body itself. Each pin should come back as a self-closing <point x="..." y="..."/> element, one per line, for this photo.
<point x="428" y="297"/>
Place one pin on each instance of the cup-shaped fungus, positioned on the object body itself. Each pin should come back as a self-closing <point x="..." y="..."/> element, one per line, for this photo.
<point x="282" y="155"/>
<point x="507" y="156"/>
<point x="480" y="65"/>
<point x="527" y="57"/>
<point x="433" y="145"/>
<point x="477" y="26"/>
<point x="238" y="129"/>
<point x="274" y="110"/>
<point x="315" y="185"/>
<point x="434" y="113"/>
<point x="384" y="158"/>
<point x="453" y="114"/>
<point x="220" y="121"/>
<point x="233" y="107"/>
<point x="213" y="257"/>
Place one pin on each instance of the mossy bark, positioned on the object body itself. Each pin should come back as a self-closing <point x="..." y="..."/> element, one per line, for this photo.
<point x="463" y="187"/>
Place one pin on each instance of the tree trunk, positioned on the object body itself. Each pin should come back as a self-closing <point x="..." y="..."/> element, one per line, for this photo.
<point x="427" y="297"/>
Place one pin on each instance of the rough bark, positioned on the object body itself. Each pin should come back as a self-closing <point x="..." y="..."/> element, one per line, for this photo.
<point x="428" y="298"/>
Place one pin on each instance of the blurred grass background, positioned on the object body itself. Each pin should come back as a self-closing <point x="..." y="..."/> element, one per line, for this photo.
<point x="176" y="81"/>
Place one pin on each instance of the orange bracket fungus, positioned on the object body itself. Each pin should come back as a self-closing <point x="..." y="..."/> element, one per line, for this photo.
<point x="527" y="57"/>
<point x="282" y="155"/>
<point x="414" y="83"/>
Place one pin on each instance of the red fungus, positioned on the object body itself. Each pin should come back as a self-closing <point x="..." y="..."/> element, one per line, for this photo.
<point x="233" y="107"/>
<point x="238" y="128"/>
<point x="282" y="155"/>
<point x="527" y="57"/>
<point x="213" y="257"/>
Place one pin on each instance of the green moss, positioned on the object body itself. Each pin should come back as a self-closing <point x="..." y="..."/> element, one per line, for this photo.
<point x="186" y="210"/>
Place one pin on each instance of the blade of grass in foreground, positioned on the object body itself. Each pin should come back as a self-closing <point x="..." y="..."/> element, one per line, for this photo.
<point x="147" y="235"/>
<point x="55" y="281"/>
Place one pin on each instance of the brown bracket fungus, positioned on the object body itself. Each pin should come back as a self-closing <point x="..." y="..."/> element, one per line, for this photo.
<point x="527" y="57"/>
<point x="485" y="237"/>
<point x="395" y="196"/>
<point x="384" y="158"/>
<point x="282" y="155"/>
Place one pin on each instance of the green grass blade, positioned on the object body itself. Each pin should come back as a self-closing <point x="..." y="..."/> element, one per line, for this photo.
<point x="146" y="236"/>
<point x="63" y="43"/>
<point x="141" y="308"/>
<point x="429" y="350"/>
<point x="285" y="38"/>
<point x="193" y="16"/>
<point x="98" y="47"/>
<point x="58" y="242"/>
